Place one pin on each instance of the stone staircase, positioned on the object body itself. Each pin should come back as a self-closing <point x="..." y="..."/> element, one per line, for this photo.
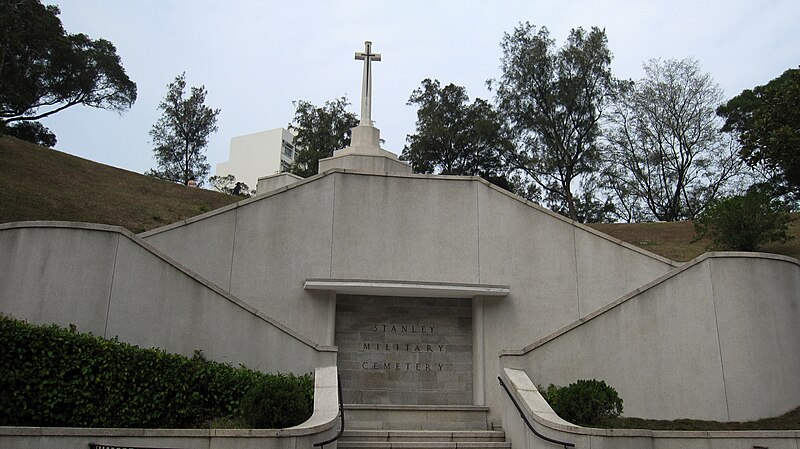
<point x="419" y="427"/>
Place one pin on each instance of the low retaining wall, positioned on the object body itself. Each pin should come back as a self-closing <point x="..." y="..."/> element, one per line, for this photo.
<point x="321" y="426"/>
<point x="547" y="423"/>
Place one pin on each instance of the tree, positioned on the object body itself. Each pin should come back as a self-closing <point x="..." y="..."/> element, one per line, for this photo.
<point x="553" y="101"/>
<point x="745" y="222"/>
<point x="589" y="209"/>
<point x="454" y="137"/>
<point x="319" y="131"/>
<point x="227" y="184"/>
<point x="181" y="134"/>
<point x="767" y="122"/>
<point x="44" y="70"/>
<point x="33" y="132"/>
<point x="666" y="158"/>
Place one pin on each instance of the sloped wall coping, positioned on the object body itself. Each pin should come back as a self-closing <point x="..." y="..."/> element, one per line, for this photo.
<point x="659" y="280"/>
<point x="177" y="265"/>
<point x="539" y="412"/>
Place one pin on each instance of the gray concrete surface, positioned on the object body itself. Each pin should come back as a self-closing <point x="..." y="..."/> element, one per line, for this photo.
<point x="269" y="183"/>
<point x="381" y="163"/>
<point x="280" y="242"/>
<point x="215" y="232"/>
<point x="404" y="228"/>
<point x="106" y="281"/>
<point x="414" y="228"/>
<point x="757" y="303"/>
<point x="555" y="271"/>
<point x="57" y="275"/>
<point x="715" y="340"/>
<point x="276" y="241"/>
<point x="379" y="227"/>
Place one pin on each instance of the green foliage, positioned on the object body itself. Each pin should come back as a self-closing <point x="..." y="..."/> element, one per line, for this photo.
<point x="745" y="222"/>
<point x="589" y="209"/>
<point x="278" y="402"/>
<point x="553" y="100"/>
<point x="454" y="137"/>
<point x="227" y="184"/>
<point x="767" y="121"/>
<point x="550" y="393"/>
<point x="55" y="377"/>
<point x="319" y="132"/>
<point x="585" y="402"/>
<point x="229" y="422"/>
<point x="33" y="132"/>
<point x="44" y="70"/>
<point x="181" y="134"/>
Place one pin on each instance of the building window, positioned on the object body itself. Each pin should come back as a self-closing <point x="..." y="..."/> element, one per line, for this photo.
<point x="285" y="166"/>
<point x="288" y="150"/>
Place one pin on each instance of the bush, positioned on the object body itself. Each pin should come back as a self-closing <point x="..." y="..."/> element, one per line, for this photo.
<point x="56" y="377"/>
<point x="279" y="401"/>
<point x="744" y="222"/>
<point x="585" y="402"/>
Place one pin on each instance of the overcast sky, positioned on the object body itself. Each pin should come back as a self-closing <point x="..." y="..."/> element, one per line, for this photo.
<point x="256" y="57"/>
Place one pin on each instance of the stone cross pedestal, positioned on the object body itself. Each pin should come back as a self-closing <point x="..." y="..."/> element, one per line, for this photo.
<point x="364" y="152"/>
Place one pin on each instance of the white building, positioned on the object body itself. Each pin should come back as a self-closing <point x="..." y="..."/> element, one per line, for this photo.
<point x="259" y="154"/>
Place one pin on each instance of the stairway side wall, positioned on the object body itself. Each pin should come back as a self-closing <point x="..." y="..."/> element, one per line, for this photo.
<point x="717" y="341"/>
<point x="104" y="282"/>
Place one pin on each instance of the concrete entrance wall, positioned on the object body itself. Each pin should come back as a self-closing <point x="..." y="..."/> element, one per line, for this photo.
<point x="412" y="351"/>
<point x="448" y="229"/>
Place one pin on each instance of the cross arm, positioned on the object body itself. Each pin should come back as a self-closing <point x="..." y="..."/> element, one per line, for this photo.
<point x="372" y="56"/>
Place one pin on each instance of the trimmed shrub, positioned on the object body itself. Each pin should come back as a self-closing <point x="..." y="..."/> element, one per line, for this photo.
<point x="278" y="402"/>
<point x="585" y="402"/>
<point x="51" y="376"/>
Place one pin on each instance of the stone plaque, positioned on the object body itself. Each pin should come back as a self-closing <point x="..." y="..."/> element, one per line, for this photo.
<point x="395" y="350"/>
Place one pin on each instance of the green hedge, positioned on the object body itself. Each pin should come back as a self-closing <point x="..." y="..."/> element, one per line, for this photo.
<point x="51" y="376"/>
<point x="585" y="402"/>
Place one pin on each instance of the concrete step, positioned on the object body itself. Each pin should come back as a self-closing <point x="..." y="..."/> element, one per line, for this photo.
<point x="431" y="436"/>
<point x="422" y="445"/>
<point x="416" y="417"/>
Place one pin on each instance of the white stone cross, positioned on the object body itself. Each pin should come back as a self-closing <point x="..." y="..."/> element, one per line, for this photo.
<point x="366" y="83"/>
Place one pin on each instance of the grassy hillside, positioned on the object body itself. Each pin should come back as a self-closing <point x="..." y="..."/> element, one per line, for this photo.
<point x="676" y="240"/>
<point x="42" y="184"/>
